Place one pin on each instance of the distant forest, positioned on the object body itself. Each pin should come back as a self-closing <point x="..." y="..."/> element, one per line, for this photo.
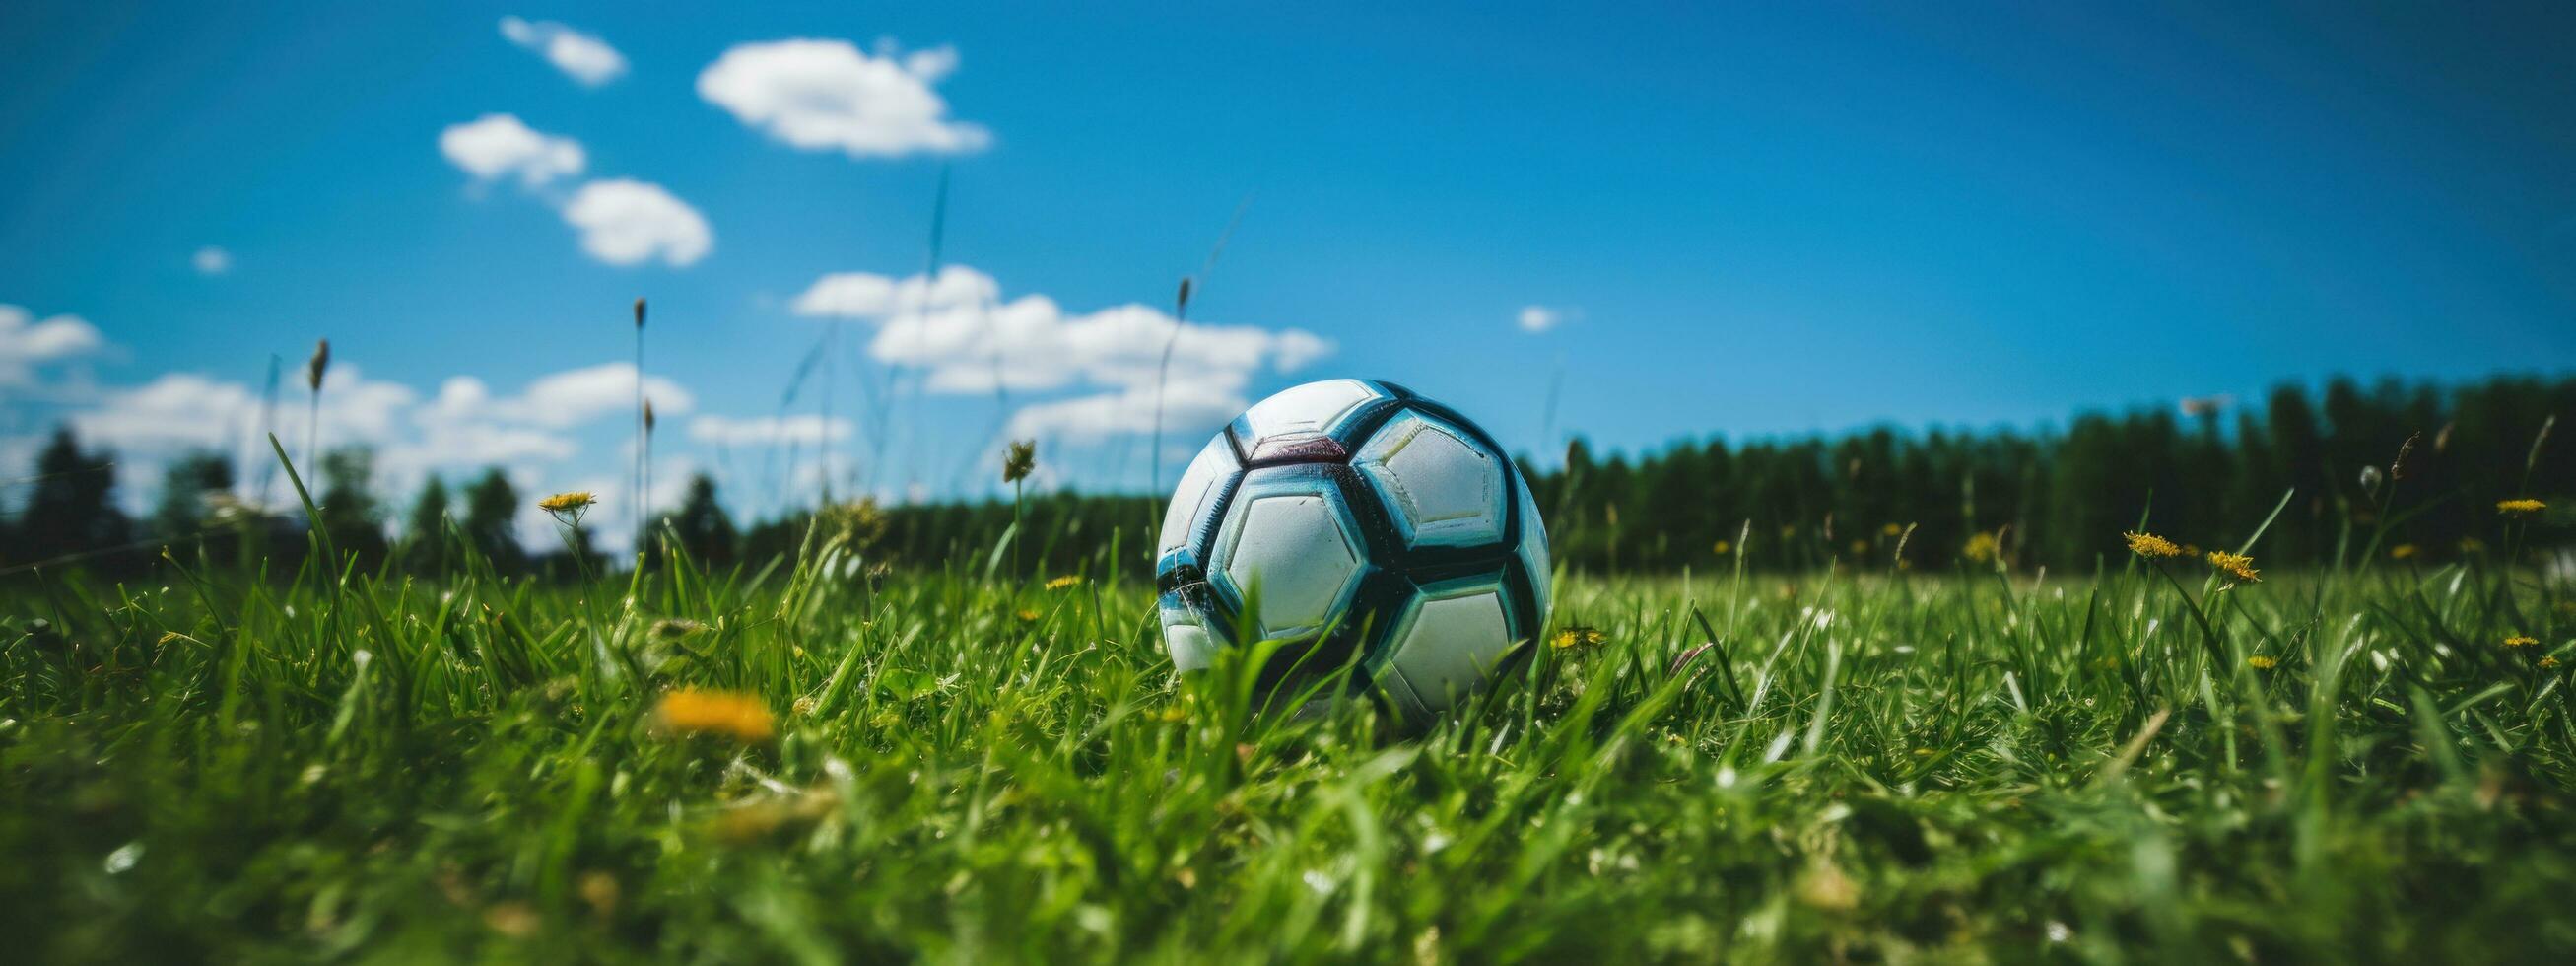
<point x="2401" y="470"/>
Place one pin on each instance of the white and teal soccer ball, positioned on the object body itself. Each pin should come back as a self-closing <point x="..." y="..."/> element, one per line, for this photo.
<point x="1366" y="526"/>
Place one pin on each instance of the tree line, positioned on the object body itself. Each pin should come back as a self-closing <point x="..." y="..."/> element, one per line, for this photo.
<point x="2407" y="470"/>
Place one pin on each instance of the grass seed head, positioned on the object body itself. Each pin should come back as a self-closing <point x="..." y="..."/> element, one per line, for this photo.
<point x="1020" y="460"/>
<point x="319" y="364"/>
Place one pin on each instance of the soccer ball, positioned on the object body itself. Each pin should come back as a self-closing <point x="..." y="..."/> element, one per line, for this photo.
<point x="1364" y="525"/>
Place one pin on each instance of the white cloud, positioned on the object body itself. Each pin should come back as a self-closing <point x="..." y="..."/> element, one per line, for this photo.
<point x="563" y="399"/>
<point x="182" y="411"/>
<point x="768" y="430"/>
<point x="820" y="95"/>
<point x="178" y="411"/>
<point x="583" y="57"/>
<point x="862" y="295"/>
<point x="211" y="261"/>
<point x="26" y="343"/>
<point x="1540" y="318"/>
<point x="966" y="340"/>
<point x="626" y="222"/>
<point x="621" y="221"/>
<point x="500" y="145"/>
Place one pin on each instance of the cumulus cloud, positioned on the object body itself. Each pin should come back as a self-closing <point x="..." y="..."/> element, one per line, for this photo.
<point x="768" y="430"/>
<point x="817" y="95"/>
<point x="26" y="343"/>
<point x="621" y="221"/>
<point x="1540" y="318"/>
<point x="966" y="339"/>
<point x="183" y="411"/>
<point x="583" y="57"/>
<point x="496" y="146"/>
<point x="211" y="261"/>
<point x="626" y="222"/>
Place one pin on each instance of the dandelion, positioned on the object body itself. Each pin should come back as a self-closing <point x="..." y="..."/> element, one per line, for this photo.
<point x="2520" y="640"/>
<point x="1028" y="616"/>
<point x="2520" y="508"/>
<point x="1891" y="530"/>
<point x="2547" y="662"/>
<point x="2237" y="565"/>
<point x="1860" y="548"/>
<point x="1020" y="460"/>
<point x="1722" y="547"/>
<point x="741" y="717"/>
<point x="2262" y="662"/>
<point x="567" y="507"/>
<point x="1060" y="583"/>
<point x="1577" y="637"/>
<point x="1981" y="548"/>
<point x="2150" y="546"/>
<point x="2403" y="551"/>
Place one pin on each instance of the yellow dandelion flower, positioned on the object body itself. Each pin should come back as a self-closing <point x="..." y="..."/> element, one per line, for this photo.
<point x="2403" y="551"/>
<point x="2236" y="565"/>
<point x="1722" y="547"/>
<point x="2547" y="662"/>
<point x="2262" y="662"/>
<point x="1981" y="548"/>
<point x="2520" y="508"/>
<point x="2520" y="640"/>
<point x="1063" y="582"/>
<point x="2151" y="546"/>
<point x="742" y="717"/>
<point x="1026" y="614"/>
<point x="1891" y="529"/>
<point x="568" y="506"/>
<point x="1577" y="636"/>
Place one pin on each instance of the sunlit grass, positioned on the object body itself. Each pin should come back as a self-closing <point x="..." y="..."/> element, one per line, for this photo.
<point x="814" y="764"/>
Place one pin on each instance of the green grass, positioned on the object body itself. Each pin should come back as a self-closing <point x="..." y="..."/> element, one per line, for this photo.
<point x="1969" y="766"/>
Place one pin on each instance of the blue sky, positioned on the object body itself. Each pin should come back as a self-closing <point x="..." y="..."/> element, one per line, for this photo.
<point x="1742" y="220"/>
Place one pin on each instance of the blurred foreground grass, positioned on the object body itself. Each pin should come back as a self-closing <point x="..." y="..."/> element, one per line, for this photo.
<point x="940" y="765"/>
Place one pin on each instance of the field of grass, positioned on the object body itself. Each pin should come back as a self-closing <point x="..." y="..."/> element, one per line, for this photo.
<point x="1963" y="766"/>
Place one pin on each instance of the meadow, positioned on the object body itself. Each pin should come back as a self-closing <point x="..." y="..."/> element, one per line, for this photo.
<point x="823" y="760"/>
